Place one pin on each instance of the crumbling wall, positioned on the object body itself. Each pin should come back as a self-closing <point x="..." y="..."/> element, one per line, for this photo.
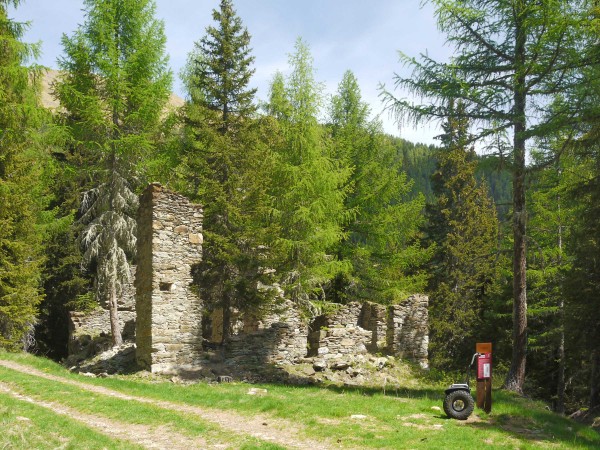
<point x="337" y="334"/>
<point x="89" y="332"/>
<point x="169" y="313"/>
<point x="277" y="338"/>
<point x="374" y="318"/>
<point x="408" y="329"/>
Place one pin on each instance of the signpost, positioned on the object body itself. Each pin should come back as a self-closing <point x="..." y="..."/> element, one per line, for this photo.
<point x="484" y="376"/>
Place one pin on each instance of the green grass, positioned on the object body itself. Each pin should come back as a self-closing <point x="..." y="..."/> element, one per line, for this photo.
<point x="27" y="426"/>
<point x="400" y="419"/>
<point x="125" y="411"/>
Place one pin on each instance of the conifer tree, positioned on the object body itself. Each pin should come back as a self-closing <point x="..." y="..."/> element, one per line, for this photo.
<point x="114" y="88"/>
<point x="226" y="166"/>
<point x="20" y="244"/>
<point x="464" y="228"/>
<point x="382" y="242"/>
<point x="221" y="68"/>
<point x="512" y="58"/>
<point x="309" y="186"/>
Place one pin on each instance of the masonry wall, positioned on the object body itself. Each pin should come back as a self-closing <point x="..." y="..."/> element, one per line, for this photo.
<point x="277" y="338"/>
<point x="89" y="332"/>
<point x="408" y="329"/>
<point x="169" y="313"/>
<point x="338" y="334"/>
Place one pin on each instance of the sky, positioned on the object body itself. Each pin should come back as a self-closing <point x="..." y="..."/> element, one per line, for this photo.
<point x="357" y="35"/>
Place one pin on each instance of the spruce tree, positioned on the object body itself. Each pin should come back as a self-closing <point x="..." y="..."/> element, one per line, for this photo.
<point x="226" y="166"/>
<point x="220" y="69"/>
<point x="464" y="229"/>
<point x="382" y="235"/>
<point x="114" y="88"/>
<point x="309" y="186"/>
<point x="20" y="243"/>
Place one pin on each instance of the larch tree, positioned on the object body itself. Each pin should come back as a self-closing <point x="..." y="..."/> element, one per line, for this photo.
<point x="20" y="240"/>
<point x="114" y="88"/>
<point x="512" y="57"/>
<point x="308" y="188"/>
<point x="382" y="234"/>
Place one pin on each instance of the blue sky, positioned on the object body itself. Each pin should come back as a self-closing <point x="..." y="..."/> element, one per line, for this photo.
<point x="358" y="35"/>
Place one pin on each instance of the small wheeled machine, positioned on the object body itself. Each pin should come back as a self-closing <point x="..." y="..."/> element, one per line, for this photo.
<point x="458" y="402"/>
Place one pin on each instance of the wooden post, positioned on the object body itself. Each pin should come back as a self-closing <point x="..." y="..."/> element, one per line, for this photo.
<point x="484" y="376"/>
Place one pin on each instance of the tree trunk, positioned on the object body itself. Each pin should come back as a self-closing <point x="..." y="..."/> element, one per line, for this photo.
<point x="115" y="328"/>
<point x="560" y="385"/>
<point x="595" y="380"/>
<point x="226" y="319"/>
<point x="516" y="374"/>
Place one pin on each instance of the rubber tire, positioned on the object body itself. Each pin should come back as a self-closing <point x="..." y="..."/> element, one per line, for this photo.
<point x="451" y="406"/>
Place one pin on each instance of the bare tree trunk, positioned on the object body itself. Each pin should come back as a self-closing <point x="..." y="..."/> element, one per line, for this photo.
<point x="595" y="380"/>
<point x="226" y="319"/>
<point x="115" y="328"/>
<point x="560" y="385"/>
<point x="516" y="374"/>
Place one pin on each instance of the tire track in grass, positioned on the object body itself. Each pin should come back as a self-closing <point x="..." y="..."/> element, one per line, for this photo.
<point x="145" y="436"/>
<point x="277" y="431"/>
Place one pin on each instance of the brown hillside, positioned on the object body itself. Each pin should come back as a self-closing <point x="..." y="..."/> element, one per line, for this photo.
<point x="48" y="101"/>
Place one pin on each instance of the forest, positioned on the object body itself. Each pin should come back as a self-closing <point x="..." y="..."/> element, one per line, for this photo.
<point x="499" y="223"/>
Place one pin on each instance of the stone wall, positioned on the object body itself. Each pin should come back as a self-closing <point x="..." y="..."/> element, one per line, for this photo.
<point x="338" y="334"/>
<point x="169" y="313"/>
<point x="408" y="329"/>
<point x="277" y="338"/>
<point x="89" y="332"/>
<point x="400" y="330"/>
<point x="374" y="318"/>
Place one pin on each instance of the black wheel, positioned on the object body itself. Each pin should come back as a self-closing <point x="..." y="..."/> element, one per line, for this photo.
<point x="459" y="405"/>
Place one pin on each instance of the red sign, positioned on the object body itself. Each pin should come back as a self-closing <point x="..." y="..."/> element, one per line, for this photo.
<point x="484" y="366"/>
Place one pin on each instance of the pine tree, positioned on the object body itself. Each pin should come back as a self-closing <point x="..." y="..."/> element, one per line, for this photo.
<point x="220" y="69"/>
<point x="464" y="228"/>
<point x="512" y="58"/>
<point x="114" y="88"/>
<point x="382" y="242"/>
<point x="20" y="246"/>
<point x="309" y="186"/>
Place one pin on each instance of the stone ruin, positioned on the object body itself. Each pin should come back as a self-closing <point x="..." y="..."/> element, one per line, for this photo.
<point x="169" y="313"/>
<point x="174" y="332"/>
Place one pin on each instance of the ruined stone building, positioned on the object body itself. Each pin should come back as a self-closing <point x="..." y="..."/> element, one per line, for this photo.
<point x="168" y="316"/>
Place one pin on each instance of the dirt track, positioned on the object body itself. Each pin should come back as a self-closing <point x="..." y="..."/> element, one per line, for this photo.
<point x="262" y="427"/>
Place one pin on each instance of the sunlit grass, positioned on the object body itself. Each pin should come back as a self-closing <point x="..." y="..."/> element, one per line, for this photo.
<point x="403" y="418"/>
<point x="27" y="426"/>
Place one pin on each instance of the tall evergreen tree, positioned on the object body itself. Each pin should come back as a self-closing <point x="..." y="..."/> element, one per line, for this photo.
<point x="382" y="242"/>
<point x="226" y="163"/>
<point x="221" y="68"/>
<point x="113" y="89"/>
<point x="309" y="186"/>
<point x="553" y="215"/>
<point x="464" y="228"/>
<point x="512" y="58"/>
<point x="20" y="244"/>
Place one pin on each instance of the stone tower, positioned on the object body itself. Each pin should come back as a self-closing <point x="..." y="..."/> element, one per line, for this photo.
<point x="169" y="313"/>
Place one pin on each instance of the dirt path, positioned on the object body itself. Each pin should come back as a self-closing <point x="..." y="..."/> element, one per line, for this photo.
<point x="259" y="426"/>
<point x="148" y="437"/>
